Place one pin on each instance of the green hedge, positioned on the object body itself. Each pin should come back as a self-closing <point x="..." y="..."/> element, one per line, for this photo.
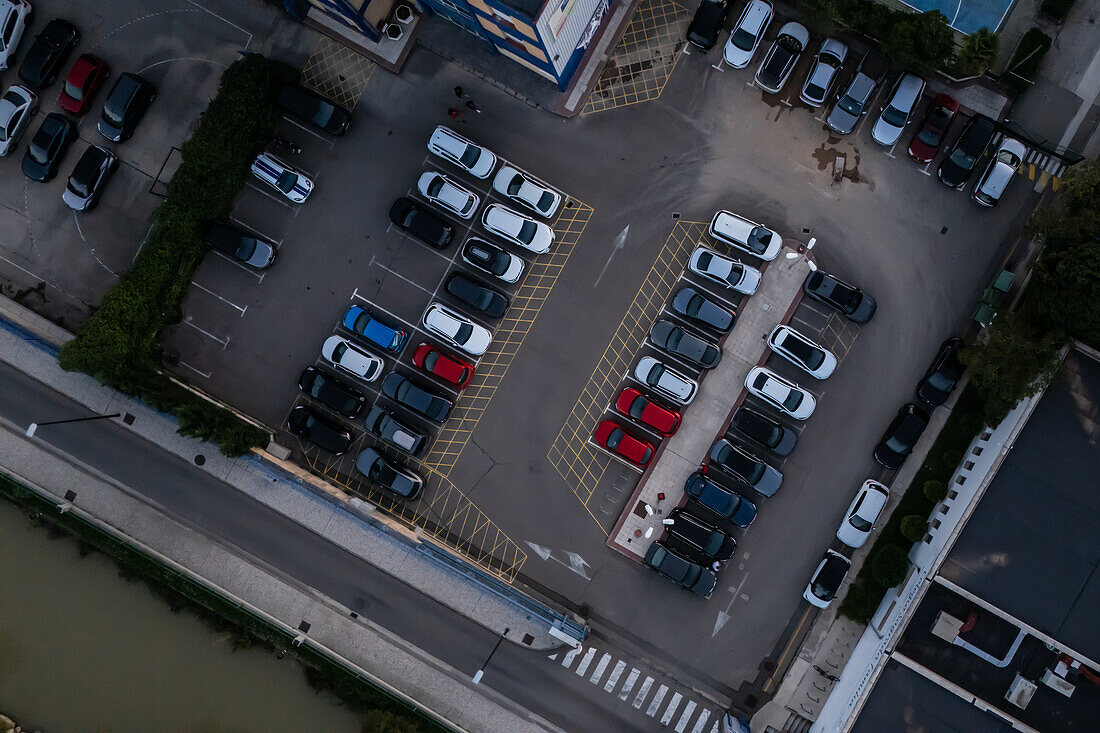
<point x="1025" y="62"/>
<point x="118" y="343"/>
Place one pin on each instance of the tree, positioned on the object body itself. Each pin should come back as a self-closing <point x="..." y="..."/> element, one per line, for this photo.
<point x="921" y="40"/>
<point x="1064" y="294"/>
<point x="889" y="566"/>
<point x="978" y="53"/>
<point x="1077" y="218"/>
<point x="913" y="527"/>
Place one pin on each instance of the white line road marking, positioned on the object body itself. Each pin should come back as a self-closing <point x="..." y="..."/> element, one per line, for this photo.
<point x="600" y="667"/>
<point x="356" y="295"/>
<point x="254" y="230"/>
<point x="688" y="710"/>
<point x="702" y="721"/>
<point x="629" y="684"/>
<point x="196" y="370"/>
<point x="567" y="661"/>
<point x="227" y="22"/>
<point x="617" y="245"/>
<point x="182" y="58"/>
<point x="657" y="700"/>
<point x="640" y="697"/>
<point x="671" y="710"/>
<point x="891" y="153"/>
<point x="306" y="130"/>
<point x="399" y="275"/>
<point x="587" y="660"/>
<point x="277" y="200"/>
<point x="614" y="678"/>
<point x="227" y="302"/>
<point x="224" y="342"/>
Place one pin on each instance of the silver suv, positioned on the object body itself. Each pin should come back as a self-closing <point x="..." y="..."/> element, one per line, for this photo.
<point x="856" y="99"/>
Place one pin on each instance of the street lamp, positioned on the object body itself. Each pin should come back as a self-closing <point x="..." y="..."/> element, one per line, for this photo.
<point x="35" y="425"/>
<point x="481" y="672"/>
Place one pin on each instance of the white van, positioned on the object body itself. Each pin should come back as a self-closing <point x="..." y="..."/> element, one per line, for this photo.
<point x="739" y="232"/>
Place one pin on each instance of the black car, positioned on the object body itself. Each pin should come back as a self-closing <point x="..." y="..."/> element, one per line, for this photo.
<point x="336" y="394"/>
<point x="677" y="568"/>
<point x="696" y="539"/>
<point x="130" y="97"/>
<point x="477" y="295"/>
<point x="827" y="579"/>
<point x="411" y="395"/>
<point x="389" y="476"/>
<point x="322" y="431"/>
<point x="421" y="223"/>
<point x="719" y="501"/>
<point x="239" y="245"/>
<point x="693" y="305"/>
<point x="682" y="343"/>
<point x="492" y="260"/>
<point x="89" y="176"/>
<point x="48" y="53"/>
<point x="311" y="107"/>
<point x="707" y="24"/>
<point x="960" y="161"/>
<point x="940" y="379"/>
<point x="48" y="147"/>
<point x="735" y="460"/>
<point x="386" y="426"/>
<point x="857" y="305"/>
<point x="898" y="440"/>
<point x="762" y="429"/>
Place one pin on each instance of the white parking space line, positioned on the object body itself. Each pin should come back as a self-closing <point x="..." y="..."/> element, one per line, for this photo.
<point x="585" y="661"/>
<point x="567" y="660"/>
<point x="397" y="274"/>
<point x="640" y="697"/>
<point x="258" y="275"/>
<point x="890" y="154"/>
<point x="196" y="370"/>
<point x="671" y="709"/>
<point x="688" y="710"/>
<point x="701" y="722"/>
<point x="227" y="302"/>
<point x="356" y="296"/>
<point x="705" y="287"/>
<point x="224" y="342"/>
<point x="616" y="456"/>
<point x="655" y="704"/>
<point x="629" y="684"/>
<point x="319" y="136"/>
<point x="257" y="232"/>
<point x="600" y="667"/>
<point x="227" y="22"/>
<point x="276" y="199"/>
<point x="925" y="170"/>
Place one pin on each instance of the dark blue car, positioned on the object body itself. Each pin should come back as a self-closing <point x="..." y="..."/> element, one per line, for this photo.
<point x="361" y="321"/>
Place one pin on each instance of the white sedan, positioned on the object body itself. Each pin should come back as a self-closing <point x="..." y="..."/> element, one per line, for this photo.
<point x="745" y="36"/>
<point x="282" y="177"/>
<point x="14" y="15"/>
<point x="731" y="273"/>
<point x="780" y="393"/>
<point x="470" y="157"/>
<point x="815" y="360"/>
<point x="527" y="192"/>
<point x="456" y="330"/>
<point x="518" y="229"/>
<point x="442" y="191"/>
<point x="862" y="514"/>
<point x="348" y="357"/>
<point x="665" y="381"/>
<point x="16" y="108"/>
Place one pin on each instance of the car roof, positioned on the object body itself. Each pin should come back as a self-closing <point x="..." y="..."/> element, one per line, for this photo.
<point x="796" y="31"/>
<point x="909" y="88"/>
<point x="756" y="12"/>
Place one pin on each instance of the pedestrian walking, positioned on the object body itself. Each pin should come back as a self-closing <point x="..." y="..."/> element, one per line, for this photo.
<point x="452" y="113"/>
<point x="473" y="106"/>
<point x="461" y="93"/>
<point x="716" y="566"/>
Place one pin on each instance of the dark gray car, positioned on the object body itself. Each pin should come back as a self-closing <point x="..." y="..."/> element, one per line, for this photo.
<point x="388" y="475"/>
<point x="740" y="463"/>
<point x="383" y="424"/>
<point x="682" y="343"/>
<point x="855" y="100"/>
<point x="774" y="436"/>
<point x="693" y="305"/>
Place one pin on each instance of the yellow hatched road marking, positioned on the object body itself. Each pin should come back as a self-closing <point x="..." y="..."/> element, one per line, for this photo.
<point x="338" y="72"/>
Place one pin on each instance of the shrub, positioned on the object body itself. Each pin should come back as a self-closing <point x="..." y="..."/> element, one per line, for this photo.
<point x="920" y="40"/>
<point x="913" y="527"/>
<point x="949" y="461"/>
<point x="978" y="53"/>
<point x="1025" y="62"/>
<point x="970" y="424"/>
<point x="1056" y="9"/>
<point x="889" y="566"/>
<point x="934" y="490"/>
<point x="1065" y="290"/>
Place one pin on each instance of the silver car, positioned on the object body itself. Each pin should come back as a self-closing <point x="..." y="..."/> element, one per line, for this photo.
<point x="780" y="393"/>
<point x="824" y="72"/>
<point x="457" y="330"/>
<point x="444" y="192"/>
<point x="470" y="157"/>
<point x="1000" y="171"/>
<point x="518" y="229"/>
<point x="898" y="109"/>
<point x="348" y="357"/>
<point x="526" y="191"/>
<point x="812" y="358"/>
<point x="745" y="37"/>
<point x="17" y="106"/>
<point x="863" y="512"/>
<point x="726" y="271"/>
<point x="666" y="381"/>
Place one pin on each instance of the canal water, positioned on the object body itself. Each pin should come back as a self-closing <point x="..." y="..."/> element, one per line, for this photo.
<point x="82" y="649"/>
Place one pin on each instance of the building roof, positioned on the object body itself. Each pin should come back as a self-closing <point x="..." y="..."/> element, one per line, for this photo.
<point x="529" y="8"/>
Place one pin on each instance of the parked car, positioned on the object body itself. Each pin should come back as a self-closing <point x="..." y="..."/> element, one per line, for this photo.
<point x="477" y="295"/>
<point x="447" y="194"/>
<point x="780" y="393"/>
<point x="744" y="466"/>
<point x="479" y="162"/>
<point x="707" y="24"/>
<point x="17" y="106"/>
<point x="862" y="514"/>
<point x="827" y="579"/>
<point x="126" y="104"/>
<point x="527" y="192"/>
<point x="672" y="384"/>
<point x="450" y="369"/>
<point x="88" y="178"/>
<point x="347" y="357"/>
<point x="810" y="357"/>
<point x="389" y="475"/>
<point x="385" y="425"/>
<point x="765" y="431"/>
<point x="410" y="395"/>
<point x="682" y="343"/>
<point x="718" y="500"/>
<point x="456" y="329"/>
<point x="333" y="393"/>
<point x="15" y="16"/>
<point x="942" y="376"/>
<point x="361" y="321"/>
<point x="518" y="229"/>
<point x="746" y="235"/>
<point x="927" y="140"/>
<point x="492" y="260"/>
<point x="48" y="147"/>
<point x="855" y="304"/>
<point x="677" y="568"/>
<point x="897" y="110"/>
<point x="281" y="176"/>
<point x="898" y="440"/>
<point x="999" y="172"/>
<point x="746" y="35"/>
<point x="239" y="245"/>
<point x="612" y="436"/>
<point x="696" y="540"/>
<point x="824" y="72"/>
<point x="319" y="429"/>
<point x="423" y="224"/>
<point x="314" y="109"/>
<point x="693" y="305"/>
<point x="782" y="57"/>
<point x="725" y="271"/>
<point x="854" y="102"/>
<point x="82" y="84"/>
<point x="958" y="164"/>
<point x="48" y="53"/>
<point x="636" y="405"/>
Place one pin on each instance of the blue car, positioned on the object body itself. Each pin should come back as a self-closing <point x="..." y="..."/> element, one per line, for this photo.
<point x="361" y="321"/>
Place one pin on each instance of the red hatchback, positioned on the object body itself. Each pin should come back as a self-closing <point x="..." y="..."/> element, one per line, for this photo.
<point x="611" y="436"/>
<point x="926" y="143"/>
<point x="84" y="80"/>
<point x="448" y="368"/>
<point x="633" y="403"/>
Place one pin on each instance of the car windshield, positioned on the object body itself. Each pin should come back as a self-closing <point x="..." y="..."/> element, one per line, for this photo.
<point x="286" y="181"/>
<point x="941" y="382"/>
<point x="247" y="248"/>
<point x="713" y="544"/>
<point x="324" y="115"/>
<point x="962" y="159"/>
<point x="929" y="137"/>
<point x="894" y="116"/>
<point x="37" y="153"/>
<point x="813" y="91"/>
<point x="435" y="186"/>
<point x="759" y="239"/>
<point x="464" y="332"/>
<point x="850" y="106"/>
<point x="743" y="40"/>
<point x="469" y="156"/>
<point x="794" y="399"/>
<point x="73" y="91"/>
<point x="545" y="200"/>
<point x="339" y="351"/>
<point x="515" y="185"/>
<point x="808" y="355"/>
<point x="527" y="232"/>
<point x="1008" y="158"/>
<point x="859" y="522"/>
<point x="111" y="113"/>
<point x="896" y="445"/>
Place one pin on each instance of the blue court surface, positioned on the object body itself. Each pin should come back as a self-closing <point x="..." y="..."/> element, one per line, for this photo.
<point x="967" y="16"/>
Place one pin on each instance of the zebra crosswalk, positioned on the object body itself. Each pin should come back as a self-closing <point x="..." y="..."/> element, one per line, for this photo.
<point x="676" y="710"/>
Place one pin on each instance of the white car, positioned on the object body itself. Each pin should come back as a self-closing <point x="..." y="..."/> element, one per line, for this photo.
<point x="783" y="395"/>
<point x="859" y="520"/>
<point x="827" y="579"/>
<point x="823" y="72"/>
<point x="746" y="235"/>
<point x="518" y="229"/>
<point x="782" y="57"/>
<point x="16" y="108"/>
<point x="348" y="357"/>
<point x="812" y="358"/>
<point x="472" y="158"/>
<point x="898" y="109"/>
<point x="1000" y="172"/>
<point x="456" y="330"/>
<point x="525" y="190"/>
<point x="13" y="21"/>
<point x="444" y="192"/>
<point x="665" y="381"/>
<point x="726" y="271"/>
<point x="282" y="177"/>
<point x="745" y="36"/>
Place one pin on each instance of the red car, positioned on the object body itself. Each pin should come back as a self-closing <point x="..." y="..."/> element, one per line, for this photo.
<point x="611" y="436"/>
<point x="448" y="368"/>
<point x="633" y="403"/>
<point x="926" y="142"/>
<point x="84" y="80"/>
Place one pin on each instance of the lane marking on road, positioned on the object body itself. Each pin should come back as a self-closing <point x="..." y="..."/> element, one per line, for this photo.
<point x="587" y="660"/>
<point x="688" y="710"/>
<point x="655" y="704"/>
<point x="308" y="131"/>
<point x="227" y="22"/>
<point x="641" y="696"/>
<point x="240" y="266"/>
<point x="567" y="660"/>
<point x="790" y="643"/>
<point x="256" y="231"/>
<point x="671" y="709"/>
<point x="224" y="342"/>
<point x="224" y="300"/>
<point x="397" y="274"/>
<point x="701" y="722"/>
<point x="600" y="667"/>
<point x="355" y="295"/>
<point x="613" y="678"/>
<point x="629" y="684"/>
<point x="280" y="202"/>
<point x="196" y="370"/>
